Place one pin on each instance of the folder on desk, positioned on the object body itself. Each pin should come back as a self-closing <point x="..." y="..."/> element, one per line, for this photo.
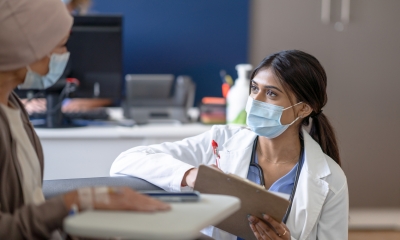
<point x="255" y="199"/>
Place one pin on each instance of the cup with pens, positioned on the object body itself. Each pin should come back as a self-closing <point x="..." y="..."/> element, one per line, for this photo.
<point x="213" y="109"/>
<point x="227" y="82"/>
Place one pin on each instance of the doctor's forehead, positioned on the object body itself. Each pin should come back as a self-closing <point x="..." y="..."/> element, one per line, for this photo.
<point x="266" y="77"/>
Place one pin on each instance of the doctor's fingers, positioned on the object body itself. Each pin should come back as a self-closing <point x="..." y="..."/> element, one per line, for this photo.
<point x="279" y="228"/>
<point x="261" y="229"/>
<point x="266" y="229"/>
<point x="189" y="179"/>
<point x="259" y="233"/>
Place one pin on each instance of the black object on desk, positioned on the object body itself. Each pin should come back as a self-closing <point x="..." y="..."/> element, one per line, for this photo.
<point x="97" y="116"/>
<point x="92" y="114"/>
<point x="174" y="196"/>
<point x="95" y="44"/>
<point x="158" y="97"/>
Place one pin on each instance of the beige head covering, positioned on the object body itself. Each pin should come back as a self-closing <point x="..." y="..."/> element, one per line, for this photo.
<point x="30" y="30"/>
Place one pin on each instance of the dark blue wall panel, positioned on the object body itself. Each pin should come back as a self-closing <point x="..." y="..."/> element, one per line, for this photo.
<point x="193" y="37"/>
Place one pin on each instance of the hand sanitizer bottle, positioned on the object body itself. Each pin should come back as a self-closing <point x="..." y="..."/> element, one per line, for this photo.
<point x="237" y="96"/>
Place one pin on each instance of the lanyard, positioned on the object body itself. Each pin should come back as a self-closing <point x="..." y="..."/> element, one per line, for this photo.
<point x="261" y="175"/>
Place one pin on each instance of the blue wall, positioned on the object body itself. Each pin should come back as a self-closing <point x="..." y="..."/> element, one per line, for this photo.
<point x="192" y="37"/>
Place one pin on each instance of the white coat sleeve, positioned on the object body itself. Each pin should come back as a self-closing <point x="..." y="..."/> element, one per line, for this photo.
<point x="165" y="164"/>
<point x="334" y="219"/>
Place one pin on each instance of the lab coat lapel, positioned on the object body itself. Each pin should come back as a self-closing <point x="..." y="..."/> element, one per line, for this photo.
<point x="237" y="153"/>
<point x="312" y="190"/>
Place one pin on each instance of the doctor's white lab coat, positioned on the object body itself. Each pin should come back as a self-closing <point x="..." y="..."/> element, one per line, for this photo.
<point x="320" y="205"/>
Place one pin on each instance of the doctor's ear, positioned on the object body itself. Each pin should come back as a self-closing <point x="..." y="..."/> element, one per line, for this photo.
<point x="305" y="111"/>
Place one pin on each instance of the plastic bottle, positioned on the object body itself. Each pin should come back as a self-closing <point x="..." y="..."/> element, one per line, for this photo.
<point x="237" y="96"/>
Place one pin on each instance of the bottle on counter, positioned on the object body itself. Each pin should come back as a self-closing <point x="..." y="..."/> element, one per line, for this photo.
<point x="237" y="96"/>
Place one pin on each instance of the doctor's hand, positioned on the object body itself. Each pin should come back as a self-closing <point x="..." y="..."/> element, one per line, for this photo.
<point x="117" y="199"/>
<point x="268" y="229"/>
<point x="189" y="178"/>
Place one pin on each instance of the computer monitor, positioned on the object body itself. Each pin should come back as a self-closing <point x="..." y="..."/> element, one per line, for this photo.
<point x="95" y="44"/>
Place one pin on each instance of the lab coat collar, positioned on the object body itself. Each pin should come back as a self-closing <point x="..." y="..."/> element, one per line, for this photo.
<point x="237" y="151"/>
<point x="240" y="141"/>
<point x="312" y="189"/>
<point x="314" y="161"/>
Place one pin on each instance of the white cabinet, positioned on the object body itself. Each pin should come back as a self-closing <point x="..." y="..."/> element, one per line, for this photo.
<point x="89" y="151"/>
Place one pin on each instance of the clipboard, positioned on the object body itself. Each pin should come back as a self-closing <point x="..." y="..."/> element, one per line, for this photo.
<point x="255" y="199"/>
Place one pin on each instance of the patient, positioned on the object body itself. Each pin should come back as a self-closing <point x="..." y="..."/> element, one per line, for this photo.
<point x="38" y="105"/>
<point x="32" y="53"/>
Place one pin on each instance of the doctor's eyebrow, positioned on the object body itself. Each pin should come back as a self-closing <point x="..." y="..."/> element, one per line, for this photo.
<point x="267" y="86"/>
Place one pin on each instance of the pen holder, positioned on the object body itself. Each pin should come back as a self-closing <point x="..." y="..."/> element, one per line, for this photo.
<point x="213" y="110"/>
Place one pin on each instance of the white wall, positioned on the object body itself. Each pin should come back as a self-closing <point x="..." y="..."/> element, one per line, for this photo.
<point x="362" y="63"/>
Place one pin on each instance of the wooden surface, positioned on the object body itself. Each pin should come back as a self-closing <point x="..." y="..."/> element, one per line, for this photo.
<point x="374" y="235"/>
<point x="374" y="219"/>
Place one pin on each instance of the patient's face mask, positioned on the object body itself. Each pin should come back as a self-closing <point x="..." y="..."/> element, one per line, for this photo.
<point x="265" y="119"/>
<point x="57" y="65"/>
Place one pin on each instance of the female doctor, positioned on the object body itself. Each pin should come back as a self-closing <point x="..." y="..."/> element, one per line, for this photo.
<point x="289" y="147"/>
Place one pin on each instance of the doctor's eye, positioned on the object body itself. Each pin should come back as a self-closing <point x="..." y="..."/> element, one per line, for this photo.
<point x="254" y="88"/>
<point x="271" y="93"/>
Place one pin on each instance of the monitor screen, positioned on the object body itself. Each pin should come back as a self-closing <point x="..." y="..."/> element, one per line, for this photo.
<point x="95" y="44"/>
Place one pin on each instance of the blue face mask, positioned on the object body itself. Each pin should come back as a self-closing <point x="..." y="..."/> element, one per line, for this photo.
<point x="265" y="118"/>
<point x="57" y="65"/>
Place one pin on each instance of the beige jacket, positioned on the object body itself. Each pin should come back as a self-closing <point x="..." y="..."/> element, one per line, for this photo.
<point x="19" y="221"/>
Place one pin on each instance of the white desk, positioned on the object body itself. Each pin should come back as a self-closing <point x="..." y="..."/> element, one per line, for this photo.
<point x="89" y="151"/>
<point x="184" y="221"/>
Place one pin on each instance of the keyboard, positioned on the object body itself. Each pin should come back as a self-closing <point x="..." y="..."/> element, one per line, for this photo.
<point x="92" y="114"/>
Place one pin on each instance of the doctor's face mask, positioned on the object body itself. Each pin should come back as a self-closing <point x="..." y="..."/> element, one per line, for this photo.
<point x="265" y="119"/>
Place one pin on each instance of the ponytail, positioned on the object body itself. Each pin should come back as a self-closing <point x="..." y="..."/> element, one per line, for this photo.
<point x="322" y="132"/>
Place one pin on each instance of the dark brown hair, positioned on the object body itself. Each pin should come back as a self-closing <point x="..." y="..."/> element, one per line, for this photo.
<point x="304" y="76"/>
